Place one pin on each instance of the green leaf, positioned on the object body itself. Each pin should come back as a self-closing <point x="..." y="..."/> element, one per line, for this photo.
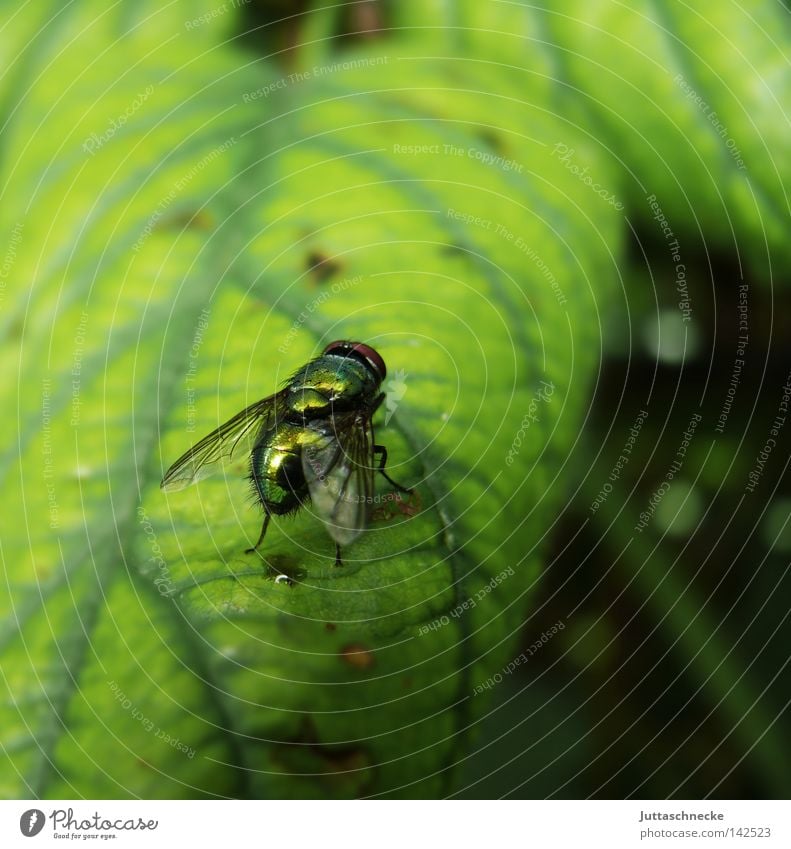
<point x="203" y="252"/>
<point x="103" y="237"/>
<point x="695" y="104"/>
<point x="361" y="678"/>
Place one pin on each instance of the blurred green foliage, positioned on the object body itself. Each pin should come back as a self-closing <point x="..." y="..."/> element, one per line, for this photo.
<point x="499" y="197"/>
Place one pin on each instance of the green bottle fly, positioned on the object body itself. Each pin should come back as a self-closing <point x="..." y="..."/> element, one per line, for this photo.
<point x="311" y="441"/>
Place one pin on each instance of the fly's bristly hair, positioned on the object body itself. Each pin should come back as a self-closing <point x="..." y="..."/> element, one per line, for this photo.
<point x="254" y="498"/>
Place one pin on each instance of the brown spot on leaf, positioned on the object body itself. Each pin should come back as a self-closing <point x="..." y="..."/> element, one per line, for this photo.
<point x="412" y="506"/>
<point x="187" y="220"/>
<point x="453" y="249"/>
<point x="15" y="329"/>
<point x="395" y="503"/>
<point x="491" y="138"/>
<point x="330" y="626"/>
<point x="388" y="510"/>
<point x="284" y="569"/>
<point x="346" y="760"/>
<point x="334" y="771"/>
<point x="364" y="19"/>
<point x="358" y="656"/>
<point x="321" y="266"/>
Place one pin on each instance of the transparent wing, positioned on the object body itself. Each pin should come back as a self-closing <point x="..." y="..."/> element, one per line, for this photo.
<point x="338" y="469"/>
<point x="231" y="440"/>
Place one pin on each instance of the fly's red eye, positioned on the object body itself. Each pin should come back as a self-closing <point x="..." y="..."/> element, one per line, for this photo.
<point x="366" y="352"/>
<point x="372" y="357"/>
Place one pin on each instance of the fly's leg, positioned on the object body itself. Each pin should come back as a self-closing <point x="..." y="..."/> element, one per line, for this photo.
<point x="338" y="555"/>
<point x="267" y="517"/>
<point x="381" y="450"/>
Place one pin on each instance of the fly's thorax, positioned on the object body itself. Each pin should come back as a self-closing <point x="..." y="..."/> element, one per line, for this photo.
<point x="309" y="403"/>
<point x="332" y="383"/>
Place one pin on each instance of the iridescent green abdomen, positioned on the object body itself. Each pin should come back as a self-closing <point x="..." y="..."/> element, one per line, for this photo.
<point x="276" y="467"/>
